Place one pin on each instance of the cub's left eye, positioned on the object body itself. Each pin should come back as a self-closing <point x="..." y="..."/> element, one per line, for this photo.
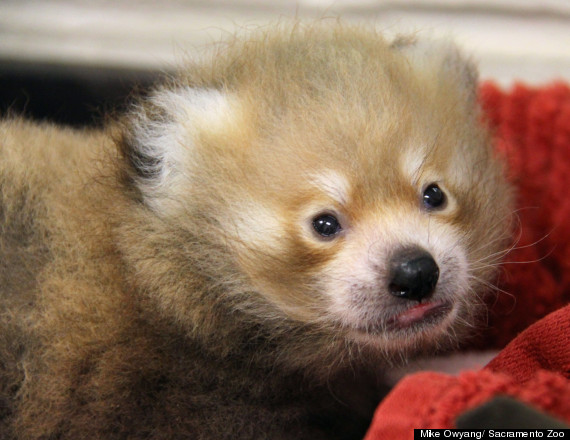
<point x="434" y="197"/>
<point x="326" y="225"/>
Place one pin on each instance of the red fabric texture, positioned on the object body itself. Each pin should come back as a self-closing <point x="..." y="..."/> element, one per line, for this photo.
<point x="543" y="346"/>
<point x="532" y="132"/>
<point x="531" y="129"/>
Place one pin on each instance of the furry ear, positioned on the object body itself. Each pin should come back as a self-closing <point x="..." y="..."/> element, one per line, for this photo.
<point x="444" y="59"/>
<point x="160" y="137"/>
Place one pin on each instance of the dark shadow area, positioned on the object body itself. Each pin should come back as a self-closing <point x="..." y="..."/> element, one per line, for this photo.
<point x="70" y="95"/>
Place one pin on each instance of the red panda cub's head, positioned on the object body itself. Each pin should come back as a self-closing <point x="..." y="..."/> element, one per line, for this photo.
<point x="322" y="179"/>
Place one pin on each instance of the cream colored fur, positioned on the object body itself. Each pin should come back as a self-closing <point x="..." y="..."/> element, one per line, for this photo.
<point x="161" y="278"/>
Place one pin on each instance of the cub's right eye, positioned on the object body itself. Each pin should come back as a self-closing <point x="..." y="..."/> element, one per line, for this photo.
<point x="326" y="225"/>
<point x="434" y="198"/>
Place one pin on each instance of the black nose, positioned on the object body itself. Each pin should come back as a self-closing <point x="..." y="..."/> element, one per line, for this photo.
<point x="413" y="274"/>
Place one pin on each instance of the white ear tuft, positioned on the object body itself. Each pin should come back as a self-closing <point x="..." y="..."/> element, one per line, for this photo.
<point x="162" y="136"/>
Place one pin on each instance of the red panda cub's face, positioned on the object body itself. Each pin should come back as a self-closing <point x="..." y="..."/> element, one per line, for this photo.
<point x="388" y="238"/>
<point x="350" y="182"/>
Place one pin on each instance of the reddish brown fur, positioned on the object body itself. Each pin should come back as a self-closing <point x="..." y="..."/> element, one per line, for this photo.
<point x="119" y="321"/>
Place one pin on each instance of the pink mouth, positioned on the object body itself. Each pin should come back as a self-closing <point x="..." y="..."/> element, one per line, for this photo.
<point x="425" y="312"/>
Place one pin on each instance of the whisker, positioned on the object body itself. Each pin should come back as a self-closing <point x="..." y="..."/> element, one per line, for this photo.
<point x="494" y="288"/>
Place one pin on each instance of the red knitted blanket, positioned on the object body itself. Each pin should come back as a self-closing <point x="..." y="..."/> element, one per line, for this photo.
<point x="532" y="131"/>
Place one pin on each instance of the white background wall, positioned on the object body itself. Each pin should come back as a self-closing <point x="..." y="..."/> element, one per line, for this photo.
<point x="512" y="39"/>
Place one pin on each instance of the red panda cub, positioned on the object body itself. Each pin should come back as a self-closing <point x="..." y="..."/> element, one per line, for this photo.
<point x="247" y="250"/>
